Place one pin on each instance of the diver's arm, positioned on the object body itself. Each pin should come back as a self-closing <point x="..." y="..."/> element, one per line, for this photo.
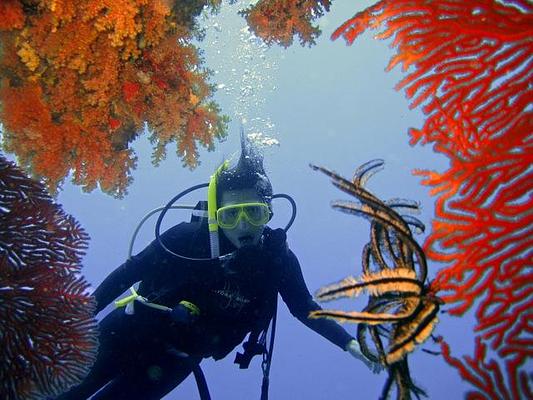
<point x="295" y="294"/>
<point x="145" y="265"/>
<point x="122" y="278"/>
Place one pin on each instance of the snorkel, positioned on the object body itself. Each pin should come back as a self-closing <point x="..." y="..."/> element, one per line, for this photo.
<point x="212" y="210"/>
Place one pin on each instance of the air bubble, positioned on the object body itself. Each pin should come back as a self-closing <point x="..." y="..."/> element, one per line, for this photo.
<point x="245" y="64"/>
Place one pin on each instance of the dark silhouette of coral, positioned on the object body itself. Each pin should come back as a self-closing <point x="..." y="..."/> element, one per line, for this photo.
<point x="79" y="79"/>
<point x="469" y="66"/>
<point x="48" y="337"/>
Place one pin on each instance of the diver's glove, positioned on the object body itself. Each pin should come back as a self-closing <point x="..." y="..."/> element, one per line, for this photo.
<point x="184" y="313"/>
<point x="355" y="350"/>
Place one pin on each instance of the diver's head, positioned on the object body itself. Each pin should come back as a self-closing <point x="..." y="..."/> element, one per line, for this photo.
<point x="242" y="216"/>
<point x="244" y="196"/>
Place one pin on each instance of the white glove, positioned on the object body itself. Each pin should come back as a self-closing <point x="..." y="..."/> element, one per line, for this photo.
<point x="355" y="350"/>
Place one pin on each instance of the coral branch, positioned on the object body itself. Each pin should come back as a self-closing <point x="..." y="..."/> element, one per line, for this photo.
<point x="279" y="21"/>
<point x="48" y="339"/>
<point x="490" y="379"/>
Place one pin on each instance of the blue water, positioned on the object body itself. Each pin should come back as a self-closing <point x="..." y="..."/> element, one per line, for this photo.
<point x="331" y="105"/>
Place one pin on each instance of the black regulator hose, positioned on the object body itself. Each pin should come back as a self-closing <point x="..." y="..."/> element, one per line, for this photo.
<point x="162" y="215"/>
<point x="293" y="204"/>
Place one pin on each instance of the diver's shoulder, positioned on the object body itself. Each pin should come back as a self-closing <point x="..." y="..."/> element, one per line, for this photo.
<point x="183" y="229"/>
<point x="183" y="235"/>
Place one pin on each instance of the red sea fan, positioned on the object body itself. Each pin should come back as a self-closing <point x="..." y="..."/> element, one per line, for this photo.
<point x="48" y="336"/>
<point x="470" y="65"/>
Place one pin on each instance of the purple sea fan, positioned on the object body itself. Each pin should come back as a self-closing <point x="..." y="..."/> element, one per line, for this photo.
<point x="48" y="334"/>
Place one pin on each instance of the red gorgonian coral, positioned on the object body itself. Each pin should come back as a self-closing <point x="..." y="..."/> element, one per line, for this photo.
<point x="48" y="337"/>
<point x="469" y="64"/>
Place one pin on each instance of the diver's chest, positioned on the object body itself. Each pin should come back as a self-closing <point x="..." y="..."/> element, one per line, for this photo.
<point x="233" y="294"/>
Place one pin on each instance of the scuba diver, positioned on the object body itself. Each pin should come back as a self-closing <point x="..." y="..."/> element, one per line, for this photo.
<point x="204" y="286"/>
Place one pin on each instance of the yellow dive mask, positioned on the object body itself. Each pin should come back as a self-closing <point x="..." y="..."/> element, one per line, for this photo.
<point x="256" y="214"/>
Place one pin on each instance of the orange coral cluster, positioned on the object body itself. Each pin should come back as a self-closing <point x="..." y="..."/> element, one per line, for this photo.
<point x="78" y="80"/>
<point x="278" y="21"/>
<point x="469" y="65"/>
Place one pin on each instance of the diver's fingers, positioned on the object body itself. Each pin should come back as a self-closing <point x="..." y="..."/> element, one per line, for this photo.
<point x="376" y="368"/>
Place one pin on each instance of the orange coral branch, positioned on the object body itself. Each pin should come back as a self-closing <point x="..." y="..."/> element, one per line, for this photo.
<point x="279" y="21"/>
<point x="95" y="73"/>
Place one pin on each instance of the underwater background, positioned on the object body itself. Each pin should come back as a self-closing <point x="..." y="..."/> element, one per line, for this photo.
<point x="329" y="105"/>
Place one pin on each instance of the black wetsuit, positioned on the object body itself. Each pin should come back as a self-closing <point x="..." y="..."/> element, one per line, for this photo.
<point x="141" y="356"/>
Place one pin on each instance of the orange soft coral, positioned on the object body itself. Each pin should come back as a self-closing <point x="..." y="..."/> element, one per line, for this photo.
<point x="469" y="66"/>
<point x="278" y="21"/>
<point x="78" y="82"/>
<point x="11" y="15"/>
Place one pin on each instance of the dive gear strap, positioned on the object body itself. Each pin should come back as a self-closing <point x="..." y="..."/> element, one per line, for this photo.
<point x="255" y="345"/>
<point x="267" y="358"/>
<point x="128" y="302"/>
<point x="199" y="376"/>
<point x="252" y="347"/>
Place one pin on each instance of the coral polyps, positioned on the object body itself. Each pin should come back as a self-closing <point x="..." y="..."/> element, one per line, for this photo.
<point x="48" y="338"/>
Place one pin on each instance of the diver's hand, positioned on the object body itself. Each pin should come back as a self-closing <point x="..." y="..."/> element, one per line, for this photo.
<point x="355" y="350"/>
<point x="183" y="315"/>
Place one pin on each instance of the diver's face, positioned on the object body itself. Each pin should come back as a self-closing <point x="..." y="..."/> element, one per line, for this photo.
<point x="244" y="233"/>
